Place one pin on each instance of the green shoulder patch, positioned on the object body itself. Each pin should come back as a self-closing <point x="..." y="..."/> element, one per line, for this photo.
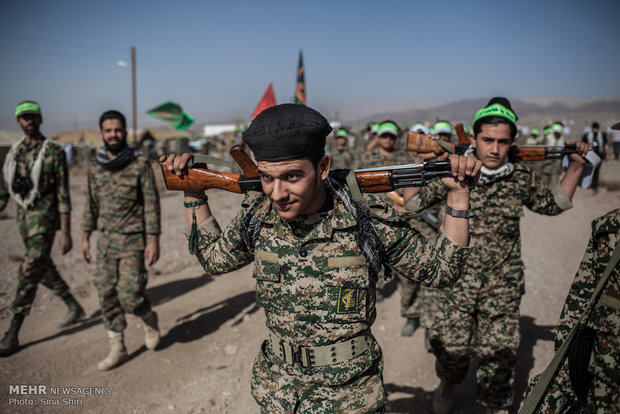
<point x="348" y="300"/>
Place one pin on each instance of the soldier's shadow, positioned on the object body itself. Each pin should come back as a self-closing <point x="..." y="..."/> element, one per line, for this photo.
<point x="204" y="321"/>
<point x="530" y="334"/>
<point x="163" y="293"/>
<point x="420" y="401"/>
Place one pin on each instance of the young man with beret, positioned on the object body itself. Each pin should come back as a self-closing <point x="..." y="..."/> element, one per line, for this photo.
<point x="317" y="252"/>
<point x="37" y="175"/>
<point x="479" y="314"/>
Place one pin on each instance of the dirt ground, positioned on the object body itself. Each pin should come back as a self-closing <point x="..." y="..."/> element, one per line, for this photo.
<point x="212" y="329"/>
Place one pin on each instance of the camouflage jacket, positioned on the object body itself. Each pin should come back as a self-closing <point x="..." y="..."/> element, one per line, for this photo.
<point x="375" y="158"/>
<point x="605" y="316"/>
<point x="495" y="212"/>
<point x="342" y="159"/>
<point x="124" y="202"/>
<point x="43" y="216"/>
<point x="315" y="287"/>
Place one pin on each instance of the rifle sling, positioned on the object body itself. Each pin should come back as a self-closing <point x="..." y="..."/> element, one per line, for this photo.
<point x="446" y="146"/>
<point x="533" y="399"/>
<point x="354" y="187"/>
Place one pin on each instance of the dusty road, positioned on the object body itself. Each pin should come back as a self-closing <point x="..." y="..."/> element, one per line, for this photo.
<point x="211" y="328"/>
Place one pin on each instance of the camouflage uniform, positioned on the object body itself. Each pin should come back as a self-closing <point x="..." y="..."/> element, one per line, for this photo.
<point x="409" y="306"/>
<point x="342" y="159"/>
<point x="316" y="289"/>
<point x="604" y="395"/>
<point x="38" y="224"/>
<point x="124" y="206"/>
<point x="479" y="315"/>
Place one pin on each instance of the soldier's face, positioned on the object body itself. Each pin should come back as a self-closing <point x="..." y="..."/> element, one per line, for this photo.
<point x="387" y="141"/>
<point x="295" y="187"/>
<point x="492" y="144"/>
<point x="341" y="143"/>
<point x="113" y="135"/>
<point x="30" y="123"/>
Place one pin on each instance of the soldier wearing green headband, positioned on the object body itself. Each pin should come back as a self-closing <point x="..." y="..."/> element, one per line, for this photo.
<point x="342" y="156"/>
<point x="36" y="172"/>
<point x="550" y="170"/>
<point x="317" y="254"/>
<point x="479" y="315"/>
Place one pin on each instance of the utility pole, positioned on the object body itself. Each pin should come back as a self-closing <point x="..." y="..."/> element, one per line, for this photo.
<point x="134" y="105"/>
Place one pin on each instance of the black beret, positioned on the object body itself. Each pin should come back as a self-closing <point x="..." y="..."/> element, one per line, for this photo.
<point x="287" y="131"/>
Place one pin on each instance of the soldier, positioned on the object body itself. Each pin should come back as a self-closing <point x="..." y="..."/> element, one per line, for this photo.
<point x="386" y="153"/>
<point x="37" y="177"/>
<point x="342" y="156"/>
<point x="444" y="130"/>
<point x="535" y="138"/>
<point x="598" y="368"/>
<point x="317" y="252"/>
<point x="123" y="204"/>
<point x="479" y="315"/>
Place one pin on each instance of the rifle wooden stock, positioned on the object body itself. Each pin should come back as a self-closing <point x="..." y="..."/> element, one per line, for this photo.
<point x="200" y="179"/>
<point x="245" y="162"/>
<point x="460" y="132"/>
<point x="541" y="152"/>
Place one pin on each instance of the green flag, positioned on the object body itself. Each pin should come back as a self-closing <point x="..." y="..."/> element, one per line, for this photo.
<point x="173" y="113"/>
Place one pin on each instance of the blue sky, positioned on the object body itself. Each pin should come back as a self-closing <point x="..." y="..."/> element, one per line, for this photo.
<point x="216" y="58"/>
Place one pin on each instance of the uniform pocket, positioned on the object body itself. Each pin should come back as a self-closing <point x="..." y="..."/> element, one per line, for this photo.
<point x="270" y="294"/>
<point x="347" y="284"/>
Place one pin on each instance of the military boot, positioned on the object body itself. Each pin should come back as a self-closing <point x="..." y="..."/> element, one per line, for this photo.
<point x="117" y="355"/>
<point x="75" y="313"/>
<point x="9" y="344"/>
<point x="443" y="398"/>
<point x="411" y="324"/>
<point x="151" y="330"/>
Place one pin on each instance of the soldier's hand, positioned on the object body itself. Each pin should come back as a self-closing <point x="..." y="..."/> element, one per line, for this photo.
<point x="151" y="252"/>
<point x="582" y="150"/>
<point x="462" y="168"/>
<point x="66" y="243"/>
<point x="176" y="163"/>
<point x="85" y="250"/>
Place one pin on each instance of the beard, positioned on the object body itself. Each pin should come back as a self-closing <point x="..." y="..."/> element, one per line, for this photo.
<point x="116" y="148"/>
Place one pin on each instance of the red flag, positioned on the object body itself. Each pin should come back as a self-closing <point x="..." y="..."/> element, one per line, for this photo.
<point x="300" y="87"/>
<point x="267" y="101"/>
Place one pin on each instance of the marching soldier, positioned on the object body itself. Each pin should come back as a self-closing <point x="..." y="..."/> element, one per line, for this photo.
<point x="479" y="315"/>
<point x="36" y="172"/>
<point x="123" y="204"/>
<point x="317" y="253"/>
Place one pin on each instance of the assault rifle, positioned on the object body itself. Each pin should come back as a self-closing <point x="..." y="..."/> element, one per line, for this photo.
<point x="370" y="180"/>
<point x="424" y="144"/>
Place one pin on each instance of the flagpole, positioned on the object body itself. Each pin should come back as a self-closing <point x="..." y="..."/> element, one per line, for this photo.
<point x="134" y="105"/>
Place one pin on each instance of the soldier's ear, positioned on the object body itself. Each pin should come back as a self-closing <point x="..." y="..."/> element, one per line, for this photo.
<point x="323" y="167"/>
<point x="472" y="140"/>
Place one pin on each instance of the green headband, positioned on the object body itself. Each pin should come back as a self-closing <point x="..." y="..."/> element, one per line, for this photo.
<point x="342" y="133"/>
<point x="534" y="131"/>
<point x="495" y="110"/>
<point x="442" y="127"/>
<point x="374" y="128"/>
<point x="27" y="107"/>
<point x="557" y="127"/>
<point x="389" y="128"/>
<point x="547" y="130"/>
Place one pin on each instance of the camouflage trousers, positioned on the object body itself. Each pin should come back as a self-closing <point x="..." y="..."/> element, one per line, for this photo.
<point x="409" y="293"/>
<point x="120" y="284"/>
<point x="279" y="387"/>
<point x="559" y="398"/>
<point x="550" y="171"/>
<point x="36" y="268"/>
<point x="488" y="329"/>
<point x="428" y="305"/>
